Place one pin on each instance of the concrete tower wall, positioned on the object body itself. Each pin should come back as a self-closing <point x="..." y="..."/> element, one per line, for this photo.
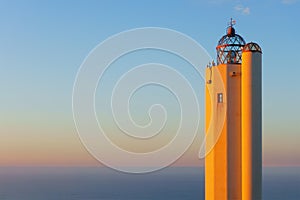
<point x="223" y="161"/>
<point x="251" y="95"/>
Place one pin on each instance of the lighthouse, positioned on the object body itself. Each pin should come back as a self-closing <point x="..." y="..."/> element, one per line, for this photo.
<point x="233" y="162"/>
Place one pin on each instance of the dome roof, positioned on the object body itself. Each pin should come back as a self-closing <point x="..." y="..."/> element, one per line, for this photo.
<point x="254" y="47"/>
<point x="230" y="47"/>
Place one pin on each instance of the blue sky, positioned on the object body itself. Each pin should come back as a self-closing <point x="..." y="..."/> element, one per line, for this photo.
<point x="43" y="43"/>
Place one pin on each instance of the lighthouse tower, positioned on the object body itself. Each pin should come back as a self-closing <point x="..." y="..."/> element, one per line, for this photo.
<point x="233" y="164"/>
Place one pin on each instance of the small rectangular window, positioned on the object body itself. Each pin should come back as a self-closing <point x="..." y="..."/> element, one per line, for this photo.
<point x="220" y="97"/>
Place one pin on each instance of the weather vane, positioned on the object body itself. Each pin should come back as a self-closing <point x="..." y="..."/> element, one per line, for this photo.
<point x="232" y="22"/>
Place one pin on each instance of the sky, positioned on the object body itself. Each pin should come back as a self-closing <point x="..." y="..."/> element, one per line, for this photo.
<point x="43" y="44"/>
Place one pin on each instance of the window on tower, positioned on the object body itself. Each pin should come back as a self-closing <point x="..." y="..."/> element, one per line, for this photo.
<point x="220" y="97"/>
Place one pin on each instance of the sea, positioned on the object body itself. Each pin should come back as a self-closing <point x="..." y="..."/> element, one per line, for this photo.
<point x="101" y="183"/>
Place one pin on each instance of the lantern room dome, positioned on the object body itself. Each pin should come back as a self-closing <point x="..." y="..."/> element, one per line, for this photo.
<point x="230" y="47"/>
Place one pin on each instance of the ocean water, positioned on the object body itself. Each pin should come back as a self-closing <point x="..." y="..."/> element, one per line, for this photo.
<point x="91" y="183"/>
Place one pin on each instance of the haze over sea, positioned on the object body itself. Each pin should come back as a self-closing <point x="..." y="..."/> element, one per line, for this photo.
<point x="91" y="183"/>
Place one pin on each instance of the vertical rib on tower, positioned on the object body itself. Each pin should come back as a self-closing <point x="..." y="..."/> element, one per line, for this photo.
<point x="251" y="122"/>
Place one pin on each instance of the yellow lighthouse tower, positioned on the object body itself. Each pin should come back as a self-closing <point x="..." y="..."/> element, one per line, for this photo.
<point x="233" y="162"/>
